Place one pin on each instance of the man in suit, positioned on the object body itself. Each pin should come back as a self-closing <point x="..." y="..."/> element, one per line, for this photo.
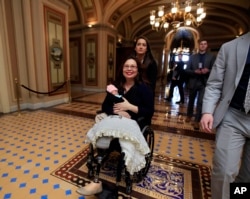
<point x="198" y="70"/>
<point x="223" y="109"/>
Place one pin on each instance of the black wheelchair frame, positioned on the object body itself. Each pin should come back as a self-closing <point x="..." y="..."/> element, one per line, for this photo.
<point x="97" y="157"/>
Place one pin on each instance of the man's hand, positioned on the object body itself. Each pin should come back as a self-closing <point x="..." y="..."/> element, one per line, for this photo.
<point x="204" y="70"/>
<point x="201" y="71"/>
<point x="198" y="71"/>
<point x="207" y="122"/>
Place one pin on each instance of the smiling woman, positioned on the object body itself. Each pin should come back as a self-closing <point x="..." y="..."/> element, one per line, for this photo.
<point x="136" y="110"/>
<point x="139" y="100"/>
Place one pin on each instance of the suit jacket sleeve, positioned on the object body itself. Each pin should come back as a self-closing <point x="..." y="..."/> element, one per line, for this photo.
<point x="214" y="83"/>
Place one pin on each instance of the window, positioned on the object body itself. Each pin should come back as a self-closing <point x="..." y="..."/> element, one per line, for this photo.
<point x="185" y="58"/>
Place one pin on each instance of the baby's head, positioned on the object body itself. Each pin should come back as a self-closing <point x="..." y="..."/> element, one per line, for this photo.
<point x="112" y="89"/>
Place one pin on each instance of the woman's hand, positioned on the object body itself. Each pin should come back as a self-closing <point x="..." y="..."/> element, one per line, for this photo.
<point x="122" y="113"/>
<point x="122" y="106"/>
<point x="125" y="106"/>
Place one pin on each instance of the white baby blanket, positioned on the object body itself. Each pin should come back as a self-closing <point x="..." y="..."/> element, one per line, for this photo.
<point x="131" y="139"/>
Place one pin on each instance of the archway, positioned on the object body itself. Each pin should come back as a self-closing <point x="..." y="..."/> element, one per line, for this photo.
<point x="182" y="37"/>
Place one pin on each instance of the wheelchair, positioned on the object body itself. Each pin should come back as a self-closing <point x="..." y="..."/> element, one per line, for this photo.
<point x="105" y="146"/>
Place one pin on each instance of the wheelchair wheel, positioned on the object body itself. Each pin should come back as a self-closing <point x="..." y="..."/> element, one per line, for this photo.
<point x="148" y="134"/>
<point x="90" y="162"/>
<point x="128" y="189"/>
<point x="149" y="137"/>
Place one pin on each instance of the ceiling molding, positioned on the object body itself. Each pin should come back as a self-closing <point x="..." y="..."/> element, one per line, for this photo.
<point x="130" y="18"/>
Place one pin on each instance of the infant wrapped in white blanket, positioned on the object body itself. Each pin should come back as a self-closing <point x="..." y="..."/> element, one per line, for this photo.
<point x="131" y="139"/>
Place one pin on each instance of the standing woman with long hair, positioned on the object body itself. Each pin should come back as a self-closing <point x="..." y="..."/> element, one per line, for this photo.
<point x="143" y="52"/>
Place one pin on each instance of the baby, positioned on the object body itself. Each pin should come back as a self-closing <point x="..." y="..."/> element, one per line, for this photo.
<point x="114" y="91"/>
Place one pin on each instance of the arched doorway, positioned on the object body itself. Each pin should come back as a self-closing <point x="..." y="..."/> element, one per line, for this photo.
<point x="183" y="40"/>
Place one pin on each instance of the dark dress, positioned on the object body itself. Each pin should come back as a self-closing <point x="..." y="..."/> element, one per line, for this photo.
<point x="151" y="73"/>
<point x="114" y="98"/>
<point x="139" y="95"/>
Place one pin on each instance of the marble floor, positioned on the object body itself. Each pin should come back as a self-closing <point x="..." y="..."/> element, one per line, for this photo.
<point x="35" y="144"/>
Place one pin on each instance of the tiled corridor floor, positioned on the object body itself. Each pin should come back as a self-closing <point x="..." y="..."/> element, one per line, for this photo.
<point x="36" y="143"/>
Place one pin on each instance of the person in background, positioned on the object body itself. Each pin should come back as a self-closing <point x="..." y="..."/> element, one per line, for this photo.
<point x="224" y="109"/>
<point x="143" y="52"/>
<point x="138" y="103"/>
<point x="177" y="80"/>
<point x="198" y="70"/>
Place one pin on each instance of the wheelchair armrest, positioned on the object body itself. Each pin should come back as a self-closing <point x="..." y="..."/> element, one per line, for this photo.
<point x="142" y="123"/>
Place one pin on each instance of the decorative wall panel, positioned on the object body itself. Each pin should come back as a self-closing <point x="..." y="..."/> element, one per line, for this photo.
<point x="91" y="59"/>
<point x="110" y="64"/>
<point x="75" y="66"/>
<point x="56" y="49"/>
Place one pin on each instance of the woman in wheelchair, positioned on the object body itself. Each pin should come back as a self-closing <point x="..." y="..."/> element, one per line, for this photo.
<point x="124" y="119"/>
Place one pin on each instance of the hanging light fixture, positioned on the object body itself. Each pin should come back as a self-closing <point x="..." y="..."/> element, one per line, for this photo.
<point x="181" y="49"/>
<point x="178" y="16"/>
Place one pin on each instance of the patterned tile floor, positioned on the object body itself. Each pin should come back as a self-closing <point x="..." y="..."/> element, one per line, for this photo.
<point x="35" y="143"/>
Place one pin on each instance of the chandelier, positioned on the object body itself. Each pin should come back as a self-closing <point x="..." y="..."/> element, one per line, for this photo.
<point x="178" y="16"/>
<point x="181" y="49"/>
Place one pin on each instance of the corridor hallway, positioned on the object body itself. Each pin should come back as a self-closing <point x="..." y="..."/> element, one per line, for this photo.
<point x="42" y="152"/>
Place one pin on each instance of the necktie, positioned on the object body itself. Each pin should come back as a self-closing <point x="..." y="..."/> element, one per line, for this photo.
<point x="247" y="98"/>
